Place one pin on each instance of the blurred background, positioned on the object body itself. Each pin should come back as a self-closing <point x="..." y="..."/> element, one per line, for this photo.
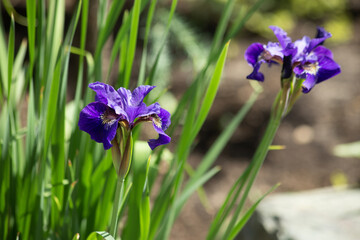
<point x="327" y="116"/>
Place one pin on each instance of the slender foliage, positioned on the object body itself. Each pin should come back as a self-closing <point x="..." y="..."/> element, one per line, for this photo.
<point x="59" y="184"/>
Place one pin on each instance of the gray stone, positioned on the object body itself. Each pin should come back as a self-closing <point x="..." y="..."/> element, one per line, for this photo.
<point x="323" y="214"/>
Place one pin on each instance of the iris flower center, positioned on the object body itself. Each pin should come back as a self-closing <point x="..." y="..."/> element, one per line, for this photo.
<point x="311" y="68"/>
<point x="109" y="117"/>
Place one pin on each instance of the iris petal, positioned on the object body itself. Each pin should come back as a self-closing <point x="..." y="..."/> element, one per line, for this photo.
<point x="134" y="105"/>
<point x="281" y="35"/>
<point x="139" y="93"/>
<point x="309" y="83"/>
<point x="165" y="118"/>
<point x="321" y="36"/>
<point x="274" y="50"/>
<point x="92" y="121"/>
<point x="322" y="51"/>
<point x="163" y="139"/>
<point x="160" y="124"/>
<point x="142" y="111"/>
<point x="256" y="75"/>
<point x="253" y="52"/>
<point x="107" y="95"/>
<point x="328" y="68"/>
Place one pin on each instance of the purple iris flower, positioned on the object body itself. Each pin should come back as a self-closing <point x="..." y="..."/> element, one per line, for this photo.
<point x="122" y="108"/>
<point x="256" y="54"/>
<point x="305" y="57"/>
<point x="314" y="62"/>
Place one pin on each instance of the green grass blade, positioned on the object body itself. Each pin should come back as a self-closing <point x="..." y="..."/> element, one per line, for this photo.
<point x="5" y="177"/>
<point x="240" y="224"/>
<point x="225" y="136"/>
<point x="132" y="42"/>
<point x="180" y="202"/>
<point x="3" y="65"/>
<point x="149" y="19"/>
<point x="150" y="78"/>
<point x="190" y="131"/>
<point x="51" y="81"/>
<point x="100" y="235"/>
<point x="118" y="44"/>
<point x="211" y="91"/>
<point x="31" y="21"/>
<point x="108" y="26"/>
<point x="11" y="54"/>
<point x="138" y="222"/>
<point x="103" y="183"/>
<point x="227" y="205"/>
<point x="19" y="59"/>
<point x="145" y="215"/>
<point x="258" y="159"/>
<point x="221" y="28"/>
<point x="161" y="205"/>
<point x="79" y="82"/>
<point x="240" y="22"/>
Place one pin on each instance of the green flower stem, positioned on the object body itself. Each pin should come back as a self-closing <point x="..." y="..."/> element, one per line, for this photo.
<point x="116" y="206"/>
<point x="260" y="154"/>
<point x="121" y="155"/>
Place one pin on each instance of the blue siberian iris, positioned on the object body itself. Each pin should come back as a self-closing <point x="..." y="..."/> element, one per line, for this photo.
<point x="309" y="60"/>
<point x="122" y="108"/>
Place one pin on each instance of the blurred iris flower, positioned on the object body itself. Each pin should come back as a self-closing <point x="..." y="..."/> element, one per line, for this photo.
<point x="306" y="58"/>
<point x="122" y="108"/>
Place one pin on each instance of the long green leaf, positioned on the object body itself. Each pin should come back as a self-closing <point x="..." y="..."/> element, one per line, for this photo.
<point x="211" y="91"/>
<point x="150" y="78"/>
<point x="240" y="224"/>
<point x="118" y="43"/>
<point x="240" y="22"/>
<point x="31" y="21"/>
<point x="132" y="41"/>
<point x="259" y="157"/>
<point x="228" y="204"/>
<point x="149" y="19"/>
<point x="108" y="26"/>
<point x="221" y="27"/>
<point x="11" y="54"/>
<point x="221" y="141"/>
<point x="179" y="203"/>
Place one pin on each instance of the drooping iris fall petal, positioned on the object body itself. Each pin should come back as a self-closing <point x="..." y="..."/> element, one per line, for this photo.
<point x="100" y="121"/>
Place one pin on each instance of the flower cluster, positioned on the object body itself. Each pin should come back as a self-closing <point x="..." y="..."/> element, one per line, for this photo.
<point x="306" y="58"/>
<point x="122" y="108"/>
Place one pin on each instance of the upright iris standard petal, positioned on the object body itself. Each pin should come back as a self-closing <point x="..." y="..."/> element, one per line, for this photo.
<point x="100" y="121"/>
<point x="321" y="51"/>
<point x="134" y="105"/>
<point x="321" y="36"/>
<point x="139" y="93"/>
<point x="282" y="36"/>
<point x="306" y="45"/>
<point x="107" y="95"/>
<point x="160" y="122"/>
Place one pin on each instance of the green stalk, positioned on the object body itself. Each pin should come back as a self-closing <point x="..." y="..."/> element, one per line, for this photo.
<point x="116" y="206"/>
<point x="122" y="149"/>
<point x="260" y="154"/>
